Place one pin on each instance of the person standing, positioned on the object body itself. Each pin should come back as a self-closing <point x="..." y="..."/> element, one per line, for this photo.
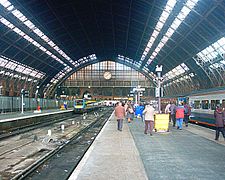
<point x="167" y="110"/>
<point x="180" y="116"/>
<point x="187" y="113"/>
<point x="173" y="113"/>
<point x="219" y="115"/>
<point x="120" y="115"/>
<point x="149" y="112"/>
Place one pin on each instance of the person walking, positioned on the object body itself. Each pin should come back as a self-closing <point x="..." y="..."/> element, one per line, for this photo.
<point x="219" y="117"/>
<point x="120" y="115"/>
<point x="149" y="112"/>
<point x="130" y="113"/>
<point x="173" y="113"/>
<point x="180" y="116"/>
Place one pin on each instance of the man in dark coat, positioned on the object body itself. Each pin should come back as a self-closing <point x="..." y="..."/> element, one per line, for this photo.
<point x="219" y="116"/>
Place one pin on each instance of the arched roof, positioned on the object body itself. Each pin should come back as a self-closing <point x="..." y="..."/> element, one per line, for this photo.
<point x="56" y="37"/>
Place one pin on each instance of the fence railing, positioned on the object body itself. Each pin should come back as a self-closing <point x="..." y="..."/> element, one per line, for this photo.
<point x="13" y="104"/>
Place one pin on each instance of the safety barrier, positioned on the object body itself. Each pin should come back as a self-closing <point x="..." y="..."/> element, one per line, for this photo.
<point x="13" y="104"/>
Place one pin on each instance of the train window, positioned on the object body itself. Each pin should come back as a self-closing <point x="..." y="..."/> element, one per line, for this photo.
<point x="214" y="103"/>
<point x="205" y="104"/>
<point x="196" y="104"/>
<point x="79" y="102"/>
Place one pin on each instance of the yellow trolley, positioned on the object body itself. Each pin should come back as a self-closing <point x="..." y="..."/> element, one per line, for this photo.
<point x="161" y="122"/>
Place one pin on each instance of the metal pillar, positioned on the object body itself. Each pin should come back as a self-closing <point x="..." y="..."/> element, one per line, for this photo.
<point x="22" y="104"/>
<point x="136" y="99"/>
<point x="159" y="100"/>
<point x="159" y="79"/>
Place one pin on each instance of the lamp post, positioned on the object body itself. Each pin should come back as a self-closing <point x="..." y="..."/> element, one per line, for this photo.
<point x="1" y="87"/>
<point x="158" y="89"/>
<point x="36" y="96"/>
<point x="22" y="94"/>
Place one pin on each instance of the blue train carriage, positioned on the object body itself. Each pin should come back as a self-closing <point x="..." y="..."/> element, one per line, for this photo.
<point x="203" y="104"/>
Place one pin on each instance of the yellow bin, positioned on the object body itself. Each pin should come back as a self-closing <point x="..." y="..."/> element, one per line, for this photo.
<point x="162" y="122"/>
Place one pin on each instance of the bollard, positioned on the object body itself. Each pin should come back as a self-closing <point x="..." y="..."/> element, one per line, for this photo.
<point x="62" y="127"/>
<point x="35" y="139"/>
<point x="73" y="122"/>
<point x="49" y="132"/>
<point x="84" y="117"/>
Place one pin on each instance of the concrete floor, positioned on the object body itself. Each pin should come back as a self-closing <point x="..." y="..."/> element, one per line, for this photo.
<point x="113" y="155"/>
<point x="189" y="154"/>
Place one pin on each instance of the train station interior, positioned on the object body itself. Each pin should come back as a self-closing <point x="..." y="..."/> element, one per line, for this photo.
<point x="65" y="63"/>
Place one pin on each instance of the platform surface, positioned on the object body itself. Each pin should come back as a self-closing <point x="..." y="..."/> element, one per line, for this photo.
<point x="113" y="155"/>
<point x="13" y="115"/>
<point x="191" y="153"/>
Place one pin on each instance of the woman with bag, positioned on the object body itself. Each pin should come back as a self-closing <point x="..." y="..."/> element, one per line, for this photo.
<point x="130" y="113"/>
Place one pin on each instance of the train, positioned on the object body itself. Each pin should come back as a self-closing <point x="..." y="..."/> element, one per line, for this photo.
<point x="86" y="105"/>
<point x="203" y="104"/>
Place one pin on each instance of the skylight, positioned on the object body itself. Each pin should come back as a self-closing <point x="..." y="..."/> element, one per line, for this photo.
<point x="28" y="38"/>
<point x="20" y="68"/>
<point x="165" y="14"/>
<point x="189" y="5"/>
<point x="129" y="60"/>
<point x="211" y="53"/>
<point x="33" y="28"/>
<point x="85" y="60"/>
<point x="60" y="75"/>
<point x="180" y="69"/>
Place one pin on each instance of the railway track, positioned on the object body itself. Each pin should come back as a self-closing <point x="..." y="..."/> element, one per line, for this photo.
<point x="31" y="127"/>
<point x="60" y="162"/>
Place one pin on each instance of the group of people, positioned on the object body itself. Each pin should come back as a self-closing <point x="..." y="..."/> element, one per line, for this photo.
<point x="179" y="113"/>
<point x="127" y="111"/>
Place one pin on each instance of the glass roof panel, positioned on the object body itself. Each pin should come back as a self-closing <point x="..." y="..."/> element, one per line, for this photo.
<point x="10" y="65"/>
<point x="180" y="69"/>
<point x="19" y="67"/>
<point x="5" y="3"/>
<point x="212" y="52"/>
<point x="162" y="19"/>
<point x="37" y="31"/>
<point x="175" y="24"/>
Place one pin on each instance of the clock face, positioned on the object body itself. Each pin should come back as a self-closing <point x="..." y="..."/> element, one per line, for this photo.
<point x="107" y="75"/>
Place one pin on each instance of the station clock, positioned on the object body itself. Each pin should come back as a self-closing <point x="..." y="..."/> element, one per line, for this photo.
<point x="107" y="75"/>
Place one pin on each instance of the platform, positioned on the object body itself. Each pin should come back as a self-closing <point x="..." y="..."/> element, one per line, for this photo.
<point x="113" y="155"/>
<point x="191" y="153"/>
<point x="28" y="114"/>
